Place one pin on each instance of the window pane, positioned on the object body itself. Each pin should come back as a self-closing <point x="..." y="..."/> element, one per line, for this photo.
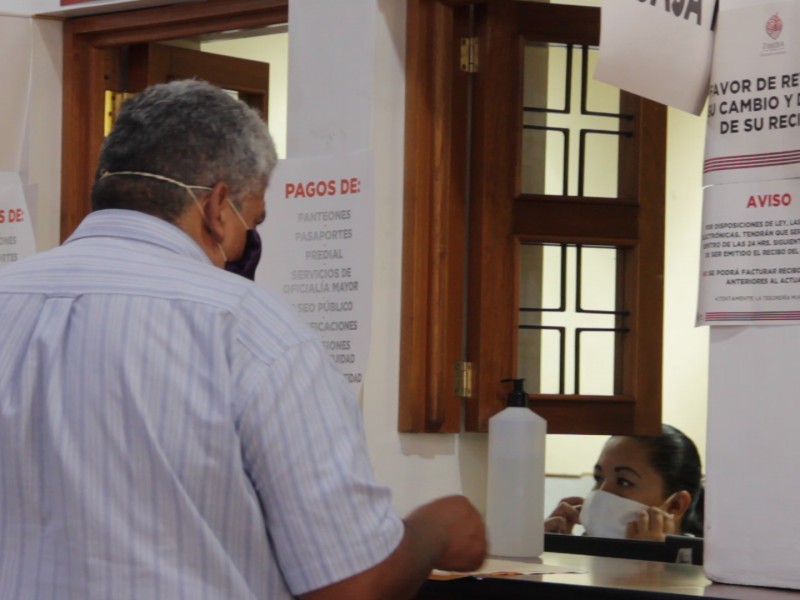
<point x="542" y="351"/>
<point x="597" y="270"/>
<point x="571" y="124"/>
<point x="596" y="362"/>
<point x="568" y="318"/>
<point x="542" y="268"/>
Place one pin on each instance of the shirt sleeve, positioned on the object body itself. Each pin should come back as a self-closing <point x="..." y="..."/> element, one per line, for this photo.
<point x="304" y="447"/>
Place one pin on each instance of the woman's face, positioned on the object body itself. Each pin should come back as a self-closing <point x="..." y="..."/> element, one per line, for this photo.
<point x="624" y="469"/>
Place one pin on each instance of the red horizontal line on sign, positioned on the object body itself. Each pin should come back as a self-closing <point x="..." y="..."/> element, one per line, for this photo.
<point x="749" y="161"/>
<point x="753" y="316"/>
<point x="782" y="152"/>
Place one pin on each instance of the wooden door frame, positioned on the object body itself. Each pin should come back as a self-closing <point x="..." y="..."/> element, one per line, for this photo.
<point x="153" y="63"/>
<point x="434" y="217"/>
<point x="90" y="63"/>
<point x="433" y="336"/>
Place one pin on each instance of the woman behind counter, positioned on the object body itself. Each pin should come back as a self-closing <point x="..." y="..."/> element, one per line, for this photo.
<point x="645" y="489"/>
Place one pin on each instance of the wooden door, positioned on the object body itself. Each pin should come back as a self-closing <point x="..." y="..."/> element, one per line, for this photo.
<point x="148" y="64"/>
<point x="94" y="48"/>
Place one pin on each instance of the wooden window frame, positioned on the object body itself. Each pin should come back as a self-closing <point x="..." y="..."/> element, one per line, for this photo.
<point x="91" y="47"/>
<point x="433" y="219"/>
<point x="435" y="258"/>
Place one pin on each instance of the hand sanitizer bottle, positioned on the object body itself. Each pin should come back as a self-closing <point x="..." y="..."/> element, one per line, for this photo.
<point x="515" y="495"/>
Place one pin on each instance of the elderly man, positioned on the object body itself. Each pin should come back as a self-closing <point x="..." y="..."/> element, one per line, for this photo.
<point x="169" y="429"/>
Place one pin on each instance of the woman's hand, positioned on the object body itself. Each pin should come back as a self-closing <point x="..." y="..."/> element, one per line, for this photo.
<point x="565" y="516"/>
<point x="652" y="524"/>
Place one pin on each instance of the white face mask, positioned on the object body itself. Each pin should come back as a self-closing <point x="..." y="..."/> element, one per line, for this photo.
<point x="604" y="514"/>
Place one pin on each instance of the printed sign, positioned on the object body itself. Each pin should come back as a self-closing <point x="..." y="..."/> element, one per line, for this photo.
<point x="750" y="258"/>
<point x="318" y="250"/>
<point x="658" y="49"/>
<point x="754" y="99"/>
<point x="16" y="230"/>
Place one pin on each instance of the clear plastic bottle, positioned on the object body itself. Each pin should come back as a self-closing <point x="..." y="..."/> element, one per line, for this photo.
<point x="515" y="489"/>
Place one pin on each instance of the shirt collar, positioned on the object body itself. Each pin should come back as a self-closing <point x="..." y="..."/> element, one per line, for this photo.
<point x="138" y="226"/>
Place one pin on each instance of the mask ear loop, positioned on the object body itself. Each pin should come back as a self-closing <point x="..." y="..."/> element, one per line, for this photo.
<point x="665" y="505"/>
<point x="203" y="215"/>
<point x="188" y="189"/>
<point x="238" y="214"/>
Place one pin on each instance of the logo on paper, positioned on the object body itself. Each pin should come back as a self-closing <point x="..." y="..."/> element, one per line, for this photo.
<point x="773" y="28"/>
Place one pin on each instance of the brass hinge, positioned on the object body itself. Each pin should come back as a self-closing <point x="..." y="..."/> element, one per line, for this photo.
<point x="469" y="54"/>
<point x="463" y="379"/>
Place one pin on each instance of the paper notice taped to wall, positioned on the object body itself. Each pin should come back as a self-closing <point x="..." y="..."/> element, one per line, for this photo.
<point x="16" y="228"/>
<point x="754" y="102"/>
<point x="319" y="241"/>
<point x="750" y="256"/>
<point x="658" y="50"/>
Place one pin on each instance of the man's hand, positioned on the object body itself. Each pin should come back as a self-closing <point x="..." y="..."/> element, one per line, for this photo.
<point x="459" y="526"/>
<point x="446" y="534"/>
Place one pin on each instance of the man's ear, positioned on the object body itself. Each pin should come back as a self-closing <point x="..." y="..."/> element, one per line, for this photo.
<point x="678" y="503"/>
<point x="214" y="213"/>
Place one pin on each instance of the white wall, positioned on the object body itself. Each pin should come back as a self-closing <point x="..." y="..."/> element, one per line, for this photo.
<point x="44" y="147"/>
<point x="332" y="110"/>
<point x="752" y="531"/>
<point x="53" y="7"/>
<point x="353" y="99"/>
<point x="685" y="346"/>
<point x="274" y="49"/>
<point x="41" y="146"/>
<point x="421" y="466"/>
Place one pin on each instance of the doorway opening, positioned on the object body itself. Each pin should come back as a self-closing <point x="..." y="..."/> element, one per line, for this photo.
<point x="109" y="56"/>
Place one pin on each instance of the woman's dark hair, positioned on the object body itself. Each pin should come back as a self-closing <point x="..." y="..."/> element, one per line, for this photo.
<point x="677" y="460"/>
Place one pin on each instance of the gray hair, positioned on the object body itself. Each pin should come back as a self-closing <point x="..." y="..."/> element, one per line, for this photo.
<point x="187" y="130"/>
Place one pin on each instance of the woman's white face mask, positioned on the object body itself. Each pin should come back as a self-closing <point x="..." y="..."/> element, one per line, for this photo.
<point x="604" y="514"/>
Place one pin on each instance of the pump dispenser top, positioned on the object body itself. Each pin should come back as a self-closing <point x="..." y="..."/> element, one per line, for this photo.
<point x="515" y="488"/>
<point x="517" y="396"/>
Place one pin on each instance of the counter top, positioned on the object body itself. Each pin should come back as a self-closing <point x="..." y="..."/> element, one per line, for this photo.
<point x="601" y="577"/>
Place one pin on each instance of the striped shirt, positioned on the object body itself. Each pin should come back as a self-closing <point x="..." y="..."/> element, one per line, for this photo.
<point x="169" y="430"/>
